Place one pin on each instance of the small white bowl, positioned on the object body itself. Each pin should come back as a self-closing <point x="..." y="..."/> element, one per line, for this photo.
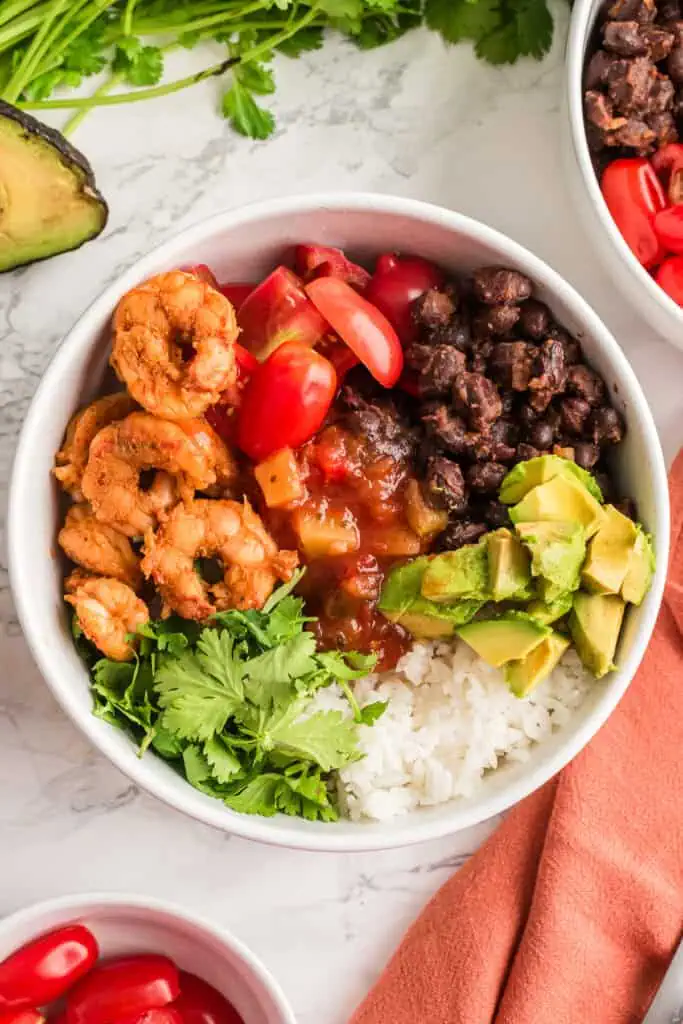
<point x="124" y="925"/>
<point x="243" y="245"/>
<point x="630" y="277"/>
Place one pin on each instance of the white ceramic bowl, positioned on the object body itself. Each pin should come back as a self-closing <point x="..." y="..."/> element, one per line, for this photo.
<point x="634" y="282"/>
<point x="244" y="245"/>
<point x="124" y="925"/>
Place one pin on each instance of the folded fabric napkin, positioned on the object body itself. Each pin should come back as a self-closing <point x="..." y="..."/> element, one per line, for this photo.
<point x="571" y="911"/>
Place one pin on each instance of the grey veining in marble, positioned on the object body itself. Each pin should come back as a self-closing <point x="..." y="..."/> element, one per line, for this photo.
<point x="414" y="119"/>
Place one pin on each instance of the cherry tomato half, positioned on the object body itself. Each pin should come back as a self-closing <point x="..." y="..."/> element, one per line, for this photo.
<point x="27" y="1016"/>
<point x="668" y="165"/>
<point x="396" y="283"/>
<point x="668" y="225"/>
<point x="286" y="400"/>
<point x="278" y="310"/>
<point x="236" y="293"/>
<point x="361" y="326"/>
<point x="669" y="276"/>
<point x="123" y="988"/>
<point x="634" y="195"/>
<point x="44" y="969"/>
<point x="200" y="1003"/>
<point x="157" y="1015"/>
<point x="312" y="261"/>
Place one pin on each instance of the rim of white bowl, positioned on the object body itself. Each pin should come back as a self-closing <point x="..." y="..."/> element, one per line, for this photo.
<point x="73" y="903"/>
<point x="454" y="818"/>
<point x="577" y="48"/>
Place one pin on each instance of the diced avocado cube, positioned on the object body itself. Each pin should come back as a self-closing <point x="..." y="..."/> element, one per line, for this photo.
<point x="522" y="676"/>
<point x="401" y="601"/>
<point x="549" y="612"/>
<point x="640" y="569"/>
<point x="533" y="472"/>
<point x="509" y="638"/>
<point x="595" y="624"/>
<point x="509" y="575"/>
<point x="561" y="499"/>
<point x="458" y="575"/>
<point x="609" y="553"/>
<point x="557" y="554"/>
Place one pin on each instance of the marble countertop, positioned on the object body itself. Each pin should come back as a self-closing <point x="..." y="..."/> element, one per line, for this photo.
<point x="419" y="121"/>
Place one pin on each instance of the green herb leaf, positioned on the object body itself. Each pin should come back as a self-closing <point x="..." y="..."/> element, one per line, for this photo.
<point x="245" y="115"/>
<point x="256" y="77"/>
<point x="224" y="763"/>
<point x="304" y="40"/>
<point x="326" y="737"/>
<point x="270" y="674"/>
<point x="371" y="712"/>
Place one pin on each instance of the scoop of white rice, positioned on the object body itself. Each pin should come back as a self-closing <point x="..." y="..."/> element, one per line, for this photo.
<point x="450" y="719"/>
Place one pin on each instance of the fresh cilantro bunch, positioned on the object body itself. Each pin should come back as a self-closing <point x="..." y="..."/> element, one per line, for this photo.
<point x="48" y="46"/>
<point x="229" y="706"/>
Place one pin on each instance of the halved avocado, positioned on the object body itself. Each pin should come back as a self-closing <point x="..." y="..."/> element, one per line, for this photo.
<point x="48" y="199"/>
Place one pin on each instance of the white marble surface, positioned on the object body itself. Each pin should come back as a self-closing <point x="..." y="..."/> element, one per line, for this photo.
<point x="413" y="119"/>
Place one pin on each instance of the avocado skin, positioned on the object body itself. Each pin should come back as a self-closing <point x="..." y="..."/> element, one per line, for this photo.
<point x="71" y="158"/>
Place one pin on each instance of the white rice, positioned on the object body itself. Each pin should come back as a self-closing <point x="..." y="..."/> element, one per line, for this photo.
<point x="450" y="719"/>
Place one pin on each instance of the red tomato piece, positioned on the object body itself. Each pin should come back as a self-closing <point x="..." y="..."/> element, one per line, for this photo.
<point x="44" y="969"/>
<point x="668" y="226"/>
<point x="246" y="362"/>
<point x="123" y="988"/>
<point x="339" y="354"/>
<point x="385" y="262"/>
<point x="286" y="400"/>
<point x="668" y="164"/>
<point x="396" y="284"/>
<point x="361" y="326"/>
<point x="26" y="1016"/>
<point x="325" y="261"/>
<point x="203" y="272"/>
<point x="278" y="310"/>
<point x="669" y="276"/>
<point x="201" y="1003"/>
<point x="236" y="293"/>
<point x="157" y="1015"/>
<point x="634" y="195"/>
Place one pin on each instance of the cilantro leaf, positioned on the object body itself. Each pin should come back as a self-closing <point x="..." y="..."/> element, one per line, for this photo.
<point x="347" y="666"/>
<point x="200" y="691"/>
<point x="371" y="712"/>
<point x="141" y="65"/>
<point x="245" y="115"/>
<point x="463" y="19"/>
<point x="304" y="40"/>
<point x="256" y="797"/>
<point x="326" y="737"/>
<point x="256" y="77"/>
<point x="224" y="763"/>
<point x="270" y="674"/>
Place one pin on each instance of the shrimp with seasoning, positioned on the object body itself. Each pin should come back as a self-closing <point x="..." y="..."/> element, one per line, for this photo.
<point x="107" y="611"/>
<point x="229" y="531"/>
<point x="155" y="325"/>
<point x="71" y="459"/>
<point x="122" y="451"/>
<point x="222" y="460"/>
<point x="99" y="548"/>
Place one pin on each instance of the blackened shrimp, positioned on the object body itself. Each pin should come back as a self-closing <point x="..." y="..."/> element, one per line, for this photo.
<point x="122" y="451"/>
<point x="174" y="344"/>
<point x="107" y="611"/>
<point x="71" y="459"/>
<point x="99" y="548"/>
<point x="228" y="531"/>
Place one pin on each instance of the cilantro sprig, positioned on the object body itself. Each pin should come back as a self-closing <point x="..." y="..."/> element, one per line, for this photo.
<point x="49" y="47"/>
<point x="229" y="705"/>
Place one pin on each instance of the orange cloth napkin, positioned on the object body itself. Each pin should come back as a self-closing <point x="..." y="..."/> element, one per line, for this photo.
<point x="572" y="910"/>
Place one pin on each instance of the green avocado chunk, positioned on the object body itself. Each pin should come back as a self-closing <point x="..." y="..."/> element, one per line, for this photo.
<point x="549" y="612"/>
<point x="561" y="499"/>
<point x="48" y="199"/>
<point x="523" y="675"/>
<point x="594" y="624"/>
<point x="509" y="638"/>
<point x="458" y="575"/>
<point x="640" y="569"/>
<point x="401" y="601"/>
<point x="509" y="576"/>
<point x="533" y="472"/>
<point x="609" y="553"/>
<point x="557" y="554"/>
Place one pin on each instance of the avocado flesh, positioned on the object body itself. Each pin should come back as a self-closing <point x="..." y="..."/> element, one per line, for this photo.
<point x="401" y="601"/>
<point x="458" y="575"/>
<point x="561" y="499"/>
<point x="508" y="562"/>
<point x="522" y="676"/>
<point x="48" y="200"/>
<point x="609" y="553"/>
<point x="595" y="624"/>
<point x="548" y="612"/>
<point x="533" y="472"/>
<point x="557" y="554"/>
<point x="640" y="570"/>
<point x="509" y="638"/>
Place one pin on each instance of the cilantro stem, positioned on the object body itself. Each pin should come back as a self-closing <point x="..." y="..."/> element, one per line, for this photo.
<point x="348" y="693"/>
<point x="23" y="27"/>
<point x="22" y="76"/>
<point x="11" y="11"/>
<point x="106" y="87"/>
<point x="127" y="23"/>
<point x="152" y="27"/>
<point x="98" y="8"/>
